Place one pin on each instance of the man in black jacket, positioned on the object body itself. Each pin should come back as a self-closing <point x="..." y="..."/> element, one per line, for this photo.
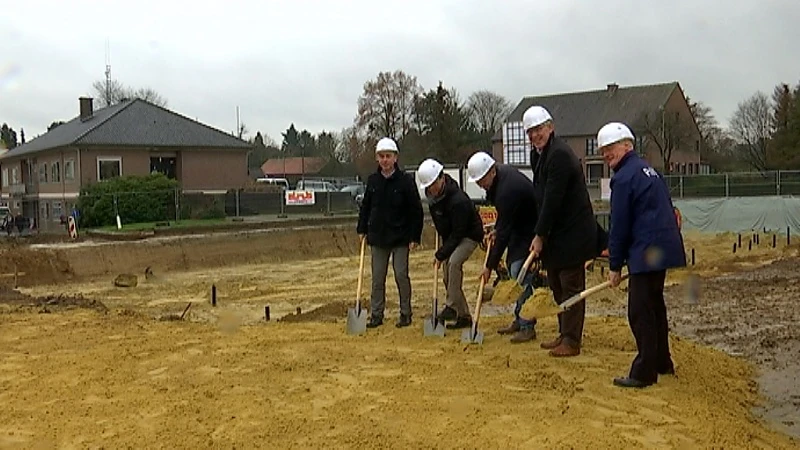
<point x="566" y="231"/>
<point x="512" y="195"/>
<point x="390" y="219"/>
<point x="458" y="223"/>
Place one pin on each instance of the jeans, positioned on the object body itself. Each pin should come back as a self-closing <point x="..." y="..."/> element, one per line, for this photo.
<point x="514" y="269"/>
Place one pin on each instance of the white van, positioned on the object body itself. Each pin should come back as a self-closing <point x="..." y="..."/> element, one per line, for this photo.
<point x="315" y="185"/>
<point x="275" y="182"/>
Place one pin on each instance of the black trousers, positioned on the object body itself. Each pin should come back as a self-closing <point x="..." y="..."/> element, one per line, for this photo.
<point x="565" y="283"/>
<point x="647" y="316"/>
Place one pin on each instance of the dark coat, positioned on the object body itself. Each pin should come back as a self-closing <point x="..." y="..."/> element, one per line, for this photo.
<point x="512" y="195"/>
<point x="644" y="231"/>
<point x="566" y="219"/>
<point x="391" y="211"/>
<point x="455" y="218"/>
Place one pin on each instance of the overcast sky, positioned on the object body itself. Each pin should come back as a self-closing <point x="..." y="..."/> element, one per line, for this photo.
<point x="306" y="61"/>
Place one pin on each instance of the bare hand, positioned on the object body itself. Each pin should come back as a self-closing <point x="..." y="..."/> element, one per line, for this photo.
<point x="412" y="245"/>
<point x="436" y="263"/>
<point x="486" y="273"/>
<point x="536" y="246"/>
<point x="614" y="278"/>
<point x="361" y="237"/>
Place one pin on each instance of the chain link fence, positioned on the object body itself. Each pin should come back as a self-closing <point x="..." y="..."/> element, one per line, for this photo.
<point x="737" y="184"/>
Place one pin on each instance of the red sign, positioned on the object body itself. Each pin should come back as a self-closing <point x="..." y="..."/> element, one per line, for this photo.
<point x="299" y="197"/>
<point x="488" y="215"/>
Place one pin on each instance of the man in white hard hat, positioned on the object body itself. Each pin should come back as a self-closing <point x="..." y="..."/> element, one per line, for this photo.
<point x="512" y="195"/>
<point x="390" y="219"/>
<point x="644" y="235"/>
<point x="461" y="230"/>
<point x="566" y="229"/>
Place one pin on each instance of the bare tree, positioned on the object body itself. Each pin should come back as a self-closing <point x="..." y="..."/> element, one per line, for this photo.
<point x="114" y="92"/>
<point x="668" y="132"/>
<point x="751" y="126"/>
<point x="386" y="107"/>
<point x="243" y="131"/>
<point x="488" y="110"/>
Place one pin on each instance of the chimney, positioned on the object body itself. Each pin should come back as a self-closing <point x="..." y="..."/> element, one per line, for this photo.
<point x="86" y="108"/>
<point x="612" y="88"/>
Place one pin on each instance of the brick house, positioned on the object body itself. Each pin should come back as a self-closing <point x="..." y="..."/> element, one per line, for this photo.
<point x="42" y="178"/>
<point x="653" y="112"/>
<point x="293" y="168"/>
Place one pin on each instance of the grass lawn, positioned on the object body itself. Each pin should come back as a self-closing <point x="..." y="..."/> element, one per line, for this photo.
<point x="188" y="223"/>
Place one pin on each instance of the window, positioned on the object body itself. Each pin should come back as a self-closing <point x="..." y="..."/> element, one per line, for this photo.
<point x="55" y="172"/>
<point x="5" y="177"/>
<point x="57" y="210"/>
<point x="594" y="172"/>
<point x="69" y="169"/>
<point x="161" y="164"/>
<point x="591" y="147"/>
<point x="516" y="147"/>
<point x="639" y="145"/>
<point x="43" y="173"/>
<point x="108" y="167"/>
<point x="15" y="176"/>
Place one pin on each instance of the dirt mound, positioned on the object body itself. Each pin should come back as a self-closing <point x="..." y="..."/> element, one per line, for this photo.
<point x="326" y="313"/>
<point x="16" y="298"/>
<point x="32" y="266"/>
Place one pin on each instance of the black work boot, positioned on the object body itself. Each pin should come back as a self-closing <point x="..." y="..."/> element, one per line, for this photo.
<point x="448" y="314"/>
<point x="403" y="321"/>
<point x="374" y="322"/>
<point x="461" y="322"/>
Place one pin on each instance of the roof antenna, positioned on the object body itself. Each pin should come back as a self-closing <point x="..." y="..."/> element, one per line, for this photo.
<point x="108" y="73"/>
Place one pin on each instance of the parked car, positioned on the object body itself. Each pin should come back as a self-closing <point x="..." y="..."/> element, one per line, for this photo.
<point x="356" y="191"/>
<point x="315" y="185"/>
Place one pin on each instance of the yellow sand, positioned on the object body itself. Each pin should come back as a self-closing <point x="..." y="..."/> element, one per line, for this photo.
<point x="506" y="292"/>
<point x="541" y="304"/>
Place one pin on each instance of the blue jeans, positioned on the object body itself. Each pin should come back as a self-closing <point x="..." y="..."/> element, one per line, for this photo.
<point x="514" y="269"/>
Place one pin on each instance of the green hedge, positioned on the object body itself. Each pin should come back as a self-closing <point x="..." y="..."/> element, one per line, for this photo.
<point x="148" y="198"/>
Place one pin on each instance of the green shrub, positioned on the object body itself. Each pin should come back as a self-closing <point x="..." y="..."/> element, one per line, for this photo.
<point x="139" y="199"/>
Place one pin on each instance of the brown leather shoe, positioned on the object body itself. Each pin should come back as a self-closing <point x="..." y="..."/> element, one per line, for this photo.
<point x="549" y="345"/>
<point x="511" y="329"/>
<point x="523" y="336"/>
<point x="563" y="349"/>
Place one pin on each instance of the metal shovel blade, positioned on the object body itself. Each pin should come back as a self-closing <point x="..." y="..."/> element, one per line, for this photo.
<point x="468" y="338"/>
<point x="432" y="327"/>
<point x="356" y="323"/>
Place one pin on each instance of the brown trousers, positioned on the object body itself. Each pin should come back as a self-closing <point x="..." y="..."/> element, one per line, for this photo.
<point x="565" y="283"/>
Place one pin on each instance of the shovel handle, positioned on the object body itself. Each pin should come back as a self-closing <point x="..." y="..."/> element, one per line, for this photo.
<point x="477" y="317"/>
<point x="435" y="268"/>
<point x="361" y="273"/>
<point x="578" y="297"/>
<point x="524" y="270"/>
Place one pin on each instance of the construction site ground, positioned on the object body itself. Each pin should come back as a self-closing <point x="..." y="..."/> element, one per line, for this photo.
<point x="84" y="363"/>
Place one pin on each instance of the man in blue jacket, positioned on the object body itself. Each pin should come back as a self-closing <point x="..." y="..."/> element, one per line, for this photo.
<point x="390" y="219"/>
<point x="644" y="236"/>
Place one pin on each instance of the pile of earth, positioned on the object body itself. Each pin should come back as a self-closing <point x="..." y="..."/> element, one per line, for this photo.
<point x="15" y="298"/>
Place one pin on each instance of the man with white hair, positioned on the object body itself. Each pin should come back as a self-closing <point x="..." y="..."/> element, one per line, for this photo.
<point x="644" y="236"/>
<point x="390" y="219"/>
<point x="566" y="229"/>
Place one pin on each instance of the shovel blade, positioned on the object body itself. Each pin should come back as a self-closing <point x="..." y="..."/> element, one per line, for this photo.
<point x="506" y="292"/>
<point x="356" y="323"/>
<point x="468" y="338"/>
<point x="431" y="327"/>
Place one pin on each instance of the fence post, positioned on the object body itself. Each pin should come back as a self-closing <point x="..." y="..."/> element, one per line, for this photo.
<point x="778" y="182"/>
<point x="727" y="186"/>
<point x="680" y="184"/>
<point x="282" y="214"/>
<point x="329" y="203"/>
<point x="177" y="205"/>
<point x="237" y="202"/>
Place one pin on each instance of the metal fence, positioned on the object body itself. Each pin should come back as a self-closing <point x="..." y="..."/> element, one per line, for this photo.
<point x="736" y="184"/>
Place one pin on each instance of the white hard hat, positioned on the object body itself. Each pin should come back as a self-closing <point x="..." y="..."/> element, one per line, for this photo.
<point x="534" y="116"/>
<point x="611" y="133"/>
<point x="478" y="166"/>
<point x="386" y="145"/>
<point x="428" y="172"/>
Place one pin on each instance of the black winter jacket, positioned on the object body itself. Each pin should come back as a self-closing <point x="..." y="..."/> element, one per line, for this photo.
<point x="566" y="219"/>
<point x="391" y="211"/>
<point x="455" y="218"/>
<point x="512" y="195"/>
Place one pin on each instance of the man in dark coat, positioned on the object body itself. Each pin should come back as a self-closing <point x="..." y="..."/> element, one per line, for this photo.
<point x="566" y="230"/>
<point x="512" y="195"/>
<point x="390" y="219"/>
<point x="644" y="236"/>
<point x="461" y="230"/>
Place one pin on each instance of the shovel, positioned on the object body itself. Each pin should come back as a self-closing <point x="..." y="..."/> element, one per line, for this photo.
<point x="357" y="317"/>
<point x="473" y="335"/>
<point x="432" y="326"/>
<point x="507" y="292"/>
<point x="542" y="304"/>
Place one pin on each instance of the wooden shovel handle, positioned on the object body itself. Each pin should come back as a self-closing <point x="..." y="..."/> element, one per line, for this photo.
<point x="435" y="268"/>
<point x="361" y="271"/>
<point x="480" y="292"/>
<point x="524" y="270"/>
<point x="576" y="298"/>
